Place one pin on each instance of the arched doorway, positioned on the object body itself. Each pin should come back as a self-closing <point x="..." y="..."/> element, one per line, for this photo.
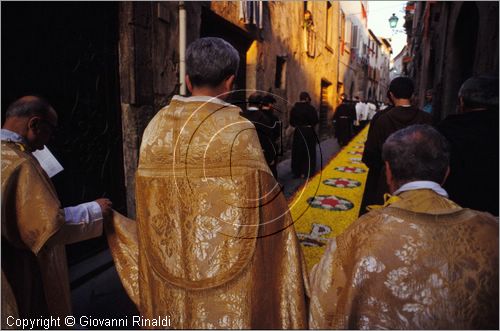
<point x="465" y="39"/>
<point x="461" y="54"/>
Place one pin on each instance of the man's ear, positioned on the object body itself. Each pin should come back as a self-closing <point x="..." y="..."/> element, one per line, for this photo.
<point x="389" y="178"/>
<point x="461" y="105"/>
<point x="228" y="83"/>
<point x="388" y="172"/>
<point x="392" y="96"/>
<point x="188" y="84"/>
<point x="446" y="175"/>
<point x="34" y="123"/>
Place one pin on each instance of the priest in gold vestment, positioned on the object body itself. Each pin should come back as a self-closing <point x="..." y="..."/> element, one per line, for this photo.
<point x="214" y="245"/>
<point x="420" y="262"/>
<point x="34" y="226"/>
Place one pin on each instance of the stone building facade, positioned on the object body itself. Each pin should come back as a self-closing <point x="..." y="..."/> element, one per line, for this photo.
<point x="383" y="66"/>
<point x="398" y="67"/>
<point x="109" y="67"/>
<point x="288" y="47"/>
<point x="379" y="55"/>
<point x="353" y="61"/>
<point x="449" y="42"/>
<point x="364" y="60"/>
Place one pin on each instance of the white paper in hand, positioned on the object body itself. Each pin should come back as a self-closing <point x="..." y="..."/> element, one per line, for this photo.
<point x="48" y="161"/>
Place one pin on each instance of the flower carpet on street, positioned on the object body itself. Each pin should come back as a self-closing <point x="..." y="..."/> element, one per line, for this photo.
<point x="329" y="202"/>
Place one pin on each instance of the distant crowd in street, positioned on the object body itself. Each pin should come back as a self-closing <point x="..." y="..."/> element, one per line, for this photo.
<point x="351" y="116"/>
<point x="261" y="111"/>
<point x="214" y="246"/>
<point x="472" y="133"/>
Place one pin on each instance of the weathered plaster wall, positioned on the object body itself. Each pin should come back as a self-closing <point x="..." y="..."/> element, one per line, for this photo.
<point x="149" y="61"/>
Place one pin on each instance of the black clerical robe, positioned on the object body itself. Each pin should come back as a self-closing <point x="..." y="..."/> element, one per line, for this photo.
<point x="385" y="124"/>
<point x="473" y="179"/>
<point x="303" y="117"/>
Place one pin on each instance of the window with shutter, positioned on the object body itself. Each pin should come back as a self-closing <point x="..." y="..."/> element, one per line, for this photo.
<point x="354" y="36"/>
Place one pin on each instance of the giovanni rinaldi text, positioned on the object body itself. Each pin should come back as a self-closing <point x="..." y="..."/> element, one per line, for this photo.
<point x="87" y="321"/>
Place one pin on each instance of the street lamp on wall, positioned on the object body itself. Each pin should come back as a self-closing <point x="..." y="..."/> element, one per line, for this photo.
<point x="393" y="21"/>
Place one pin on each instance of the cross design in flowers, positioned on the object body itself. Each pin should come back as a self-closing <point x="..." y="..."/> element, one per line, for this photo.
<point x="330" y="202"/>
<point x="341" y="182"/>
<point x="350" y="169"/>
<point x="315" y="237"/>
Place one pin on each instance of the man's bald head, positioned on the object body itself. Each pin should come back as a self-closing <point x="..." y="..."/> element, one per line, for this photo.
<point x="33" y="118"/>
<point x="28" y="106"/>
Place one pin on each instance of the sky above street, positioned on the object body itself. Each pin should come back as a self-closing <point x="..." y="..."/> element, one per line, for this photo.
<point x="378" y="21"/>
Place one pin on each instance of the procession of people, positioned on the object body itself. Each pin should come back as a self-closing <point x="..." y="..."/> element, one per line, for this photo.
<point x="214" y="245"/>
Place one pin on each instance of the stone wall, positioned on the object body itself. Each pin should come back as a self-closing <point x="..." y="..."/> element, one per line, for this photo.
<point x="149" y="61"/>
<point x="148" y="66"/>
<point x="283" y="35"/>
<point x="450" y="42"/>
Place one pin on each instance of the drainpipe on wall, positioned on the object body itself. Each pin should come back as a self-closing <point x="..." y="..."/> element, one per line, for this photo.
<point x="339" y="21"/>
<point x="182" y="48"/>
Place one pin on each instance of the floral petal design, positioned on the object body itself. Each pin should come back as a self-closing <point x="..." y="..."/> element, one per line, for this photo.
<point x="352" y="170"/>
<point x="330" y="202"/>
<point x="309" y="212"/>
<point x="342" y="182"/>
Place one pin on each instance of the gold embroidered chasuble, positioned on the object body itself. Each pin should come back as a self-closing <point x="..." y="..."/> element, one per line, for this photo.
<point x="421" y="263"/>
<point x="34" y="233"/>
<point x="214" y="245"/>
<point x="31" y="214"/>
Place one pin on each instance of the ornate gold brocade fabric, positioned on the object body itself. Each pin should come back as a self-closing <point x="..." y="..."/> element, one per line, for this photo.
<point x="214" y="245"/>
<point x="31" y="215"/>
<point x="421" y="263"/>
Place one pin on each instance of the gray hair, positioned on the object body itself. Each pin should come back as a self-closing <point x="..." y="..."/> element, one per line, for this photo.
<point x="29" y="106"/>
<point x="211" y="60"/>
<point x="481" y="91"/>
<point x="417" y="152"/>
